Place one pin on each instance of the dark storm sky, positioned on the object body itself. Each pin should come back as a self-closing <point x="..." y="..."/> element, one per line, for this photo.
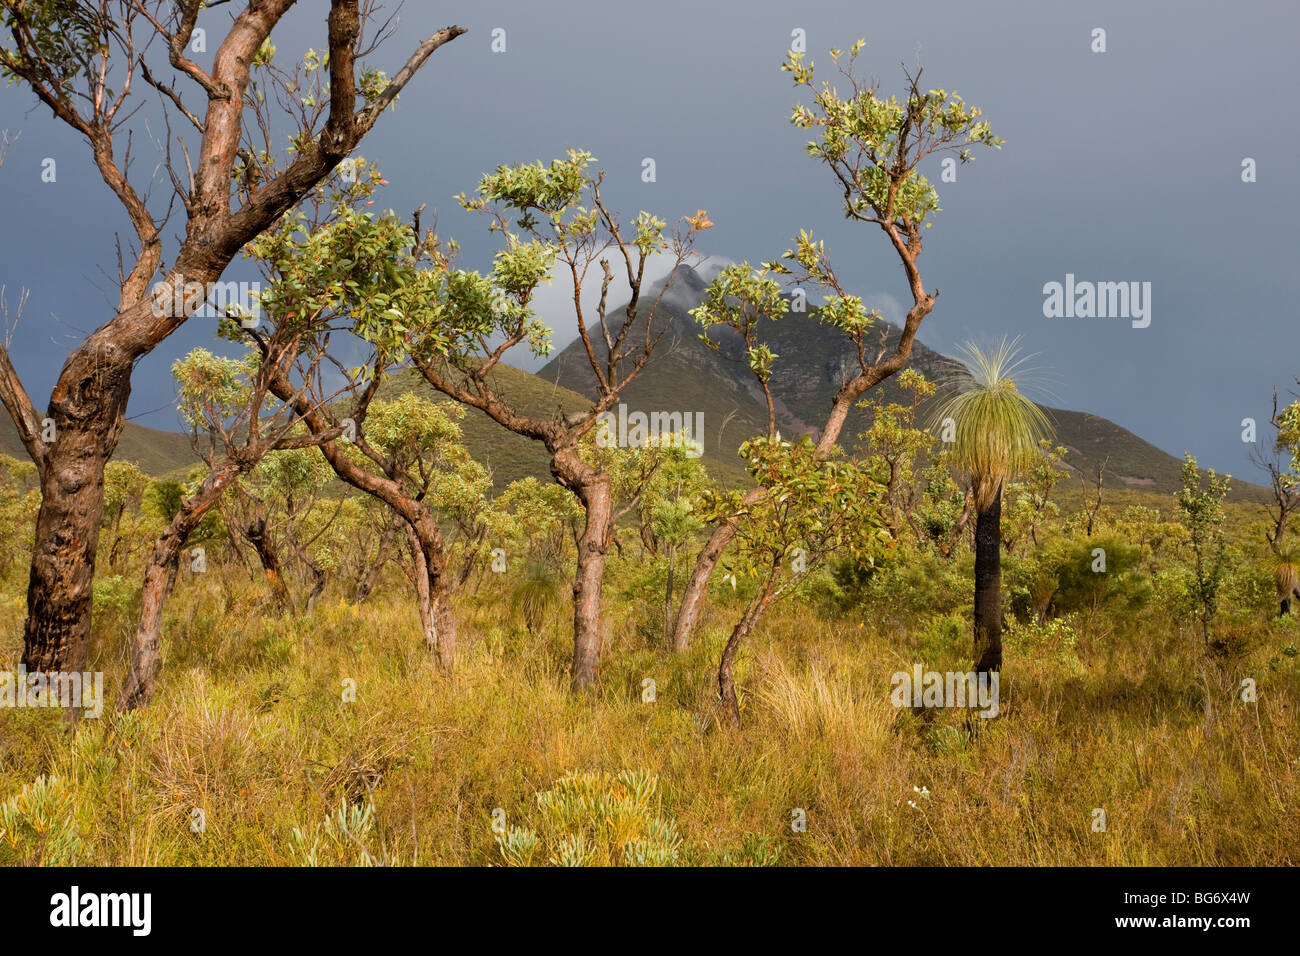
<point x="1122" y="166"/>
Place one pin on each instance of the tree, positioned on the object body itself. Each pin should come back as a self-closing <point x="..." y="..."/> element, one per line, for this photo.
<point x="873" y="147"/>
<point x="85" y="62"/>
<point x="1284" y="475"/>
<point x="124" y="486"/>
<point x="224" y="401"/>
<point x="277" y="508"/>
<point x="1032" y="501"/>
<point x="1284" y="483"/>
<point x="814" y="506"/>
<point x="897" y="445"/>
<point x="1202" y="511"/>
<point x="552" y="218"/>
<point x="996" y="433"/>
<point x="423" y="450"/>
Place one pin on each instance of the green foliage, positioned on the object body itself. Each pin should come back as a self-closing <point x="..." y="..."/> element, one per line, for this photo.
<point x="1065" y="575"/>
<point x="812" y="507"/>
<point x="54" y="42"/>
<point x="538" y="519"/>
<point x="997" y="429"/>
<point x="212" y="388"/>
<point x="19" y="500"/>
<point x="343" y="839"/>
<point x="38" y="825"/>
<point x="595" y="819"/>
<point x="874" y="143"/>
<point x="740" y="297"/>
<point x="1202" y="511"/>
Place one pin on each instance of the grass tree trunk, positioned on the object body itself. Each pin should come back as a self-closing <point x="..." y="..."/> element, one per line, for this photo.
<point x="988" y="587"/>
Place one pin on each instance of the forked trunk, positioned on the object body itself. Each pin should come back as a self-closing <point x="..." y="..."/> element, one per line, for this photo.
<point x="433" y="591"/>
<point x="376" y="568"/>
<point x="988" y="587"/>
<point x="320" y="577"/>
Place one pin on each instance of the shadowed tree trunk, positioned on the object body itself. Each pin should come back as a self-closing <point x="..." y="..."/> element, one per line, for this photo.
<point x="433" y="592"/>
<point x="988" y="587"/>
<point x="376" y="568"/>
<point x="270" y="565"/>
<point x="159" y="577"/>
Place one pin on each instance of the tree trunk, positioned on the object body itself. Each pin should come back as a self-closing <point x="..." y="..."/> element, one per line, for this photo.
<point x="988" y="587"/>
<point x="270" y="564"/>
<point x="319" y="578"/>
<point x="87" y="409"/>
<point x="159" y="577"/>
<point x="727" y="665"/>
<point x="146" y="651"/>
<point x="668" y="591"/>
<point x="697" y="587"/>
<point x="433" y="592"/>
<point x="381" y="558"/>
<point x="597" y="499"/>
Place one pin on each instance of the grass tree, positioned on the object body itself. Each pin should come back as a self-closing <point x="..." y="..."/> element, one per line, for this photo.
<point x="874" y="145"/>
<point x="993" y="432"/>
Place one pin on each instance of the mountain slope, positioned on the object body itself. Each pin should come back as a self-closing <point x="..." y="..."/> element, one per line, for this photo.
<point x="685" y="375"/>
<point x="813" y="360"/>
<point x="158" y="453"/>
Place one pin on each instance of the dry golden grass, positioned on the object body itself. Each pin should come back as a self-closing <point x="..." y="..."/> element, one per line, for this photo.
<point x="250" y="727"/>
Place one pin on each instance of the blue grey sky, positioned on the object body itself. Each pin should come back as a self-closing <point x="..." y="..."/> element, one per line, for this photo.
<point x="1118" y="166"/>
